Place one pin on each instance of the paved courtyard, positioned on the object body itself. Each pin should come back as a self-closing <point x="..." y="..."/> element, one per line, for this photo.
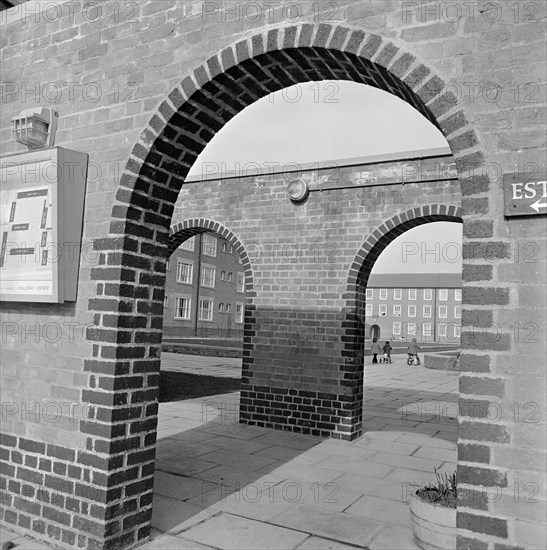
<point x="223" y="485"/>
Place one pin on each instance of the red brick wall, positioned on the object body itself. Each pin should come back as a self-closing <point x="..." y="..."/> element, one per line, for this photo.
<point x="118" y="76"/>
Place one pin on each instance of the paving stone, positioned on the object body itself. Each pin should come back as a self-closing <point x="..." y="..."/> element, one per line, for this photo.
<point x="227" y="531"/>
<point x="409" y="462"/>
<point x="247" y="462"/>
<point x="171" y="515"/>
<point x="335" y="525"/>
<point x="381" y="509"/>
<point x="435" y="453"/>
<point x="359" y="466"/>
<point x="178" y="487"/>
<point x="394" y="537"/>
<point x="318" y="543"/>
<point x="169" y="542"/>
<point x="183" y="466"/>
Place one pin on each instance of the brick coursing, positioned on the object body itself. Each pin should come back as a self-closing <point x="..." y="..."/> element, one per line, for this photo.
<point x="159" y="134"/>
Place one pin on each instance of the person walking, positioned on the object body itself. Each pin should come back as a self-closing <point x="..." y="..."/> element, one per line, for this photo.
<point x="375" y="349"/>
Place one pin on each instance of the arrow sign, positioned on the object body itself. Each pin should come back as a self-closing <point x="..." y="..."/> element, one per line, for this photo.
<point x="524" y="196"/>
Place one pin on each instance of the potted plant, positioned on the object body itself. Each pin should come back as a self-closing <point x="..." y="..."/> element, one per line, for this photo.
<point x="433" y="513"/>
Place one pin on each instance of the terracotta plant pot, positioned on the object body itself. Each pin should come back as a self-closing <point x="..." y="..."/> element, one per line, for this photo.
<point x="434" y="525"/>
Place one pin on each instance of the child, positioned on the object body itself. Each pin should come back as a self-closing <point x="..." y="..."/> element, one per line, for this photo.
<point x="375" y="349"/>
<point x="413" y="349"/>
<point x="387" y="352"/>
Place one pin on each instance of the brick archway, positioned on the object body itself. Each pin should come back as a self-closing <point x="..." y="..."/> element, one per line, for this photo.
<point x="182" y="231"/>
<point x="359" y="274"/>
<point x="389" y="230"/>
<point x="185" y="122"/>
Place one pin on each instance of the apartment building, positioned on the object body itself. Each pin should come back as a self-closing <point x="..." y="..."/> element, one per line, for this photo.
<point x="425" y="306"/>
<point x="205" y="289"/>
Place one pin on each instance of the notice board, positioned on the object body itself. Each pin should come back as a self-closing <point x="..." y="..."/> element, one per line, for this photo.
<point x="41" y="212"/>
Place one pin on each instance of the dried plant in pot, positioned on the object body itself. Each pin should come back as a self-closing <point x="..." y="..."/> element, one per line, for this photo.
<point x="433" y="513"/>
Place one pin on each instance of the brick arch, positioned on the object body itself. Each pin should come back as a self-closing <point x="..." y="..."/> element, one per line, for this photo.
<point x="388" y="231"/>
<point x="130" y="277"/>
<point x="186" y="229"/>
<point x="226" y="83"/>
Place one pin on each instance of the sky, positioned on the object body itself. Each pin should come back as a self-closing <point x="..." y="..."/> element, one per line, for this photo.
<point x="330" y="120"/>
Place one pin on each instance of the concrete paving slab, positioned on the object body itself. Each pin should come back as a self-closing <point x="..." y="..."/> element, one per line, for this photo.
<point x="358" y="465"/>
<point x="305" y="472"/>
<point x="335" y="525"/>
<point x="325" y="495"/>
<point x="381" y="509"/>
<point x="178" y="487"/>
<point x="226" y="531"/>
<point x="171" y="515"/>
<point x="394" y="537"/>
<point x="253" y="502"/>
<point x="409" y="462"/>
<point x="319" y="543"/>
<point x="169" y="542"/>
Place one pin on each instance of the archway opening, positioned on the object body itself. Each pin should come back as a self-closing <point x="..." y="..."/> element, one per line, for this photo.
<point x="198" y="108"/>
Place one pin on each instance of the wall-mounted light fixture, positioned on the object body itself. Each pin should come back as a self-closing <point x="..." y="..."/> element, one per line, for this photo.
<point x="298" y="190"/>
<point x="36" y="127"/>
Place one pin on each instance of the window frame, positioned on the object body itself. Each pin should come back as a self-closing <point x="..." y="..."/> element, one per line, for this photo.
<point x="210" y="268"/>
<point x="190" y="264"/>
<point x="177" y="308"/>
<point x="211" y="309"/>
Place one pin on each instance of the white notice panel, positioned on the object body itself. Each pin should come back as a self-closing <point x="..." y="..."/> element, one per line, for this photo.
<point x="41" y="201"/>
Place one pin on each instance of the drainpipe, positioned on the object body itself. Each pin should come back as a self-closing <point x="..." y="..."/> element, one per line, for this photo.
<point x="198" y="244"/>
<point x="434" y="315"/>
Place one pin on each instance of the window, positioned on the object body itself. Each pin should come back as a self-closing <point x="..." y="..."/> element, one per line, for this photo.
<point x="221" y="307"/>
<point x="239" y="313"/>
<point x="458" y="312"/>
<point x="188" y="245"/>
<point x="397" y="293"/>
<point x="368" y="310"/>
<point x="208" y="276"/>
<point x="457" y="331"/>
<point x="205" y="310"/>
<point x="230" y="277"/>
<point x="396" y="329"/>
<point x="228" y="308"/>
<point x="411" y="329"/>
<point x="443" y="312"/>
<point x="168" y="265"/>
<point x="165" y="301"/>
<point x="442" y="330"/>
<point x="411" y="293"/>
<point x="443" y="294"/>
<point x="412" y="311"/>
<point x="182" y="308"/>
<point x="241" y="282"/>
<point x="427" y="311"/>
<point x="396" y="311"/>
<point x="458" y="295"/>
<point x="224" y="247"/>
<point x="383" y="294"/>
<point x="184" y="272"/>
<point x="383" y="309"/>
<point x="209" y="246"/>
<point x="223" y="275"/>
<point x="370" y="294"/>
<point x="426" y="329"/>
<point x="428" y="294"/>
<point x="231" y="249"/>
